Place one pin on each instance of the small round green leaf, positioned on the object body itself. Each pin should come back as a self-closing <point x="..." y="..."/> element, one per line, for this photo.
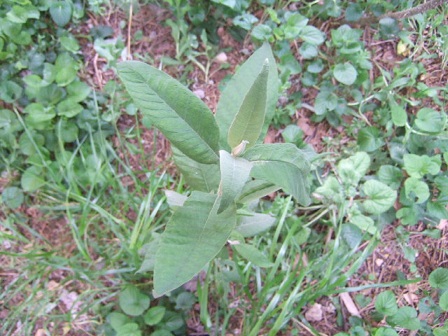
<point x="117" y="320"/>
<point x="345" y="73"/>
<point x="380" y="197"/>
<point x="406" y="317"/>
<point x="439" y="278"/>
<point x="13" y="197"/>
<point x="369" y="139"/>
<point x="443" y="301"/>
<point x="154" y="315"/>
<point x="61" y="12"/>
<point x="133" y="302"/>
<point x="386" y="303"/>
<point x="312" y="35"/>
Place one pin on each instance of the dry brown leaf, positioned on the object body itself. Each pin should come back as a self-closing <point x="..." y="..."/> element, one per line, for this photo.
<point x="349" y="304"/>
<point x="315" y="313"/>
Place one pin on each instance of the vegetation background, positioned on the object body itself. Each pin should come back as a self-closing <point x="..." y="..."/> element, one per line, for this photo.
<point x="83" y="174"/>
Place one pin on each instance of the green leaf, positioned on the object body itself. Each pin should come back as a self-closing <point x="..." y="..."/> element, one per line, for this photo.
<point x="380" y="197"/>
<point x="253" y="255"/>
<point x="390" y="175"/>
<point x="408" y="216"/>
<point x="181" y="116"/>
<point x="385" y="332"/>
<point x="129" y="329"/>
<point x="351" y="234"/>
<point x="255" y="189"/>
<point x="249" y="120"/>
<point x="61" y="12"/>
<point x="312" y="35"/>
<point x="199" y="176"/>
<point x="78" y="91"/>
<point x="262" y="32"/>
<point x="284" y="165"/>
<point x="117" y="320"/>
<point x="32" y="179"/>
<point x="353" y="12"/>
<point x="439" y="278"/>
<point x="13" y="197"/>
<point x="252" y="224"/>
<point x="345" y="73"/>
<point x="443" y="301"/>
<point x="236" y="90"/>
<point x="154" y="315"/>
<point x="149" y="250"/>
<point x="69" y="108"/>
<point x="405" y="317"/>
<point x="369" y="139"/>
<point x="132" y="301"/>
<point x="193" y="236"/>
<point x="416" y="190"/>
<point x="330" y="191"/>
<point x="386" y="303"/>
<point x="174" y="199"/>
<point x="364" y="223"/>
<point x="419" y="165"/>
<point x="399" y="115"/>
<point x="354" y="168"/>
<point x="429" y="120"/>
<point x="234" y="175"/>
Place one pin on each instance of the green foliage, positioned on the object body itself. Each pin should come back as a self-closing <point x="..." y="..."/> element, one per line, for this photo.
<point x="201" y="226"/>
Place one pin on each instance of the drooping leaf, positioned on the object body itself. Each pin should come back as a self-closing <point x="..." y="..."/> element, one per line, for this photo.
<point x="380" y="197"/>
<point x="250" y="225"/>
<point x="132" y="301"/>
<point x="284" y="165"/>
<point x="253" y="255"/>
<point x="193" y="237"/>
<point x="199" y="176"/>
<point x="234" y="174"/>
<point x="237" y="88"/>
<point x="248" y="122"/>
<point x="181" y="116"/>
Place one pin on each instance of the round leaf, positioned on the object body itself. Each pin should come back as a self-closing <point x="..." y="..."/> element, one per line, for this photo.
<point x="345" y="73"/>
<point x="133" y="302"/>
<point x="13" y="197"/>
<point x="443" y="301"/>
<point x="406" y="317"/>
<point x="439" y="278"/>
<point x="380" y="197"/>
<point x="386" y="303"/>
<point x="61" y="12"/>
<point x="154" y="315"/>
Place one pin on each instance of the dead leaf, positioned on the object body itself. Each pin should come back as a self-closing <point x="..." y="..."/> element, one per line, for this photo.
<point x="349" y="304"/>
<point x="40" y="332"/>
<point x="314" y="314"/>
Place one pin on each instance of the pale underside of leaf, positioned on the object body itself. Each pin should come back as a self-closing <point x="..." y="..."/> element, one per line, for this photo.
<point x="234" y="175"/>
<point x="194" y="236"/>
<point x="182" y="117"/>
<point x="248" y="122"/>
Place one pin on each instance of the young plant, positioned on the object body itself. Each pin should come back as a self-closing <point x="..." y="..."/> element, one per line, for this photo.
<point x="221" y="157"/>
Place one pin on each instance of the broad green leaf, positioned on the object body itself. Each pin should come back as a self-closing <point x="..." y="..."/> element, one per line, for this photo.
<point x="193" y="236"/>
<point x="312" y="35"/>
<point x="61" y="12"/>
<point x="65" y="75"/>
<point x="379" y="197"/>
<point x="174" y="199"/>
<point x="262" y="32"/>
<point x="369" y="139"/>
<point x="199" y="176"/>
<point x="419" y="165"/>
<point x="32" y="179"/>
<point x="237" y="88"/>
<point x="250" y="225"/>
<point x="390" y="175"/>
<point x="364" y="223"/>
<point x="429" y="120"/>
<point x="345" y="73"/>
<point x="353" y="12"/>
<point x="255" y="189"/>
<point x="354" y="168"/>
<point x="181" y="116"/>
<point x="284" y="165"/>
<point x="9" y="121"/>
<point x="386" y="303"/>
<point x="439" y="278"/>
<point x="405" y="317"/>
<point x="253" y="255"/>
<point x="69" y="108"/>
<point x="13" y="197"/>
<point x="117" y="320"/>
<point x="154" y="315"/>
<point x="78" y="91"/>
<point x="249" y="120"/>
<point x="399" y="115"/>
<point x="149" y="251"/>
<point x="132" y="301"/>
<point x="443" y="301"/>
<point x="408" y="215"/>
<point x="330" y="191"/>
<point x="129" y="329"/>
<point x="416" y="190"/>
<point x="351" y="234"/>
<point x="234" y="175"/>
<point x="385" y="332"/>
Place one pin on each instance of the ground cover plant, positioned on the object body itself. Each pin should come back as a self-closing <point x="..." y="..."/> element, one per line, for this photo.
<point x="322" y="192"/>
